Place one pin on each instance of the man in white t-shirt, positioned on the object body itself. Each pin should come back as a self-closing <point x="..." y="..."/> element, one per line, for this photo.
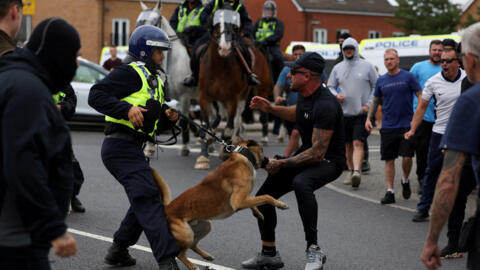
<point x="445" y="88"/>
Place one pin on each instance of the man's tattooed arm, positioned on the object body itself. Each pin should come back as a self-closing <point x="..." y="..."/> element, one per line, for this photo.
<point x="373" y="107"/>
<point x="320" y="141"/>
<point x="445" y="192"/>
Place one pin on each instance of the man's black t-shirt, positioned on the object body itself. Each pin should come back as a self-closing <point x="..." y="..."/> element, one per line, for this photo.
<point x="321" y="110"/>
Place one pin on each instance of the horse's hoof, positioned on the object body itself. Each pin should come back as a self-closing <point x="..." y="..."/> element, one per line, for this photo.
<point x="184" y="152"/>
<point x="202" y="163"/>
<point x="211" y="149"/>
<point x="264" y="140"/>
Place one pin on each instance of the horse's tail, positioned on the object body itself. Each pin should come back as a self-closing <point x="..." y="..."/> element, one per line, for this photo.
<point x="163" y="188"/>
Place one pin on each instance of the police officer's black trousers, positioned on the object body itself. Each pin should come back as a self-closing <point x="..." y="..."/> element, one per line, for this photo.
<point x="277" y="61"/>
<point x="78" y="176"/>
<point x="303" y="181"/>
<point x="126" y="162"/>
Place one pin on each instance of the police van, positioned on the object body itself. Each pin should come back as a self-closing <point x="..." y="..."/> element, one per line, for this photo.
<point x="410" y="49"/>
<point x="329" y="52"/>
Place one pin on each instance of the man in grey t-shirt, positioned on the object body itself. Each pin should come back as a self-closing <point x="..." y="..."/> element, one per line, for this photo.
<point x="352" y="82"/>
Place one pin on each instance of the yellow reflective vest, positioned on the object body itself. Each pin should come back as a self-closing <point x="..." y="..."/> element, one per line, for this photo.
<point x="140" y="97"/>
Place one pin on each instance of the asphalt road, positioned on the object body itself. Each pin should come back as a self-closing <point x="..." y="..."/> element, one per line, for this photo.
<point x="353" y="228"/>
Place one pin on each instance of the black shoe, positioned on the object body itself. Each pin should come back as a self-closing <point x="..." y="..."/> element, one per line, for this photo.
<point x="253" y="79"/>
<point x="119" y="256"/>
<point x="168" y="263"/>
<point x="77" y="206"/>
<point x="450" y="251"/>
<point x="365" y="166"/>
<point x="420" y="216"/>
<point x="389" y="198"/>
<point x="406" y="191"/>
<point x="190" y="81"/>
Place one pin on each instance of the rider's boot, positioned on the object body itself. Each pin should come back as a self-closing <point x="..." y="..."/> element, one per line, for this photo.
<point x="253" y="79"/>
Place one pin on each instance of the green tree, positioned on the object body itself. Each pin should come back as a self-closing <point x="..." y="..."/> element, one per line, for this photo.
<point x="470" y="19"/>
<point x="426" y="17"/>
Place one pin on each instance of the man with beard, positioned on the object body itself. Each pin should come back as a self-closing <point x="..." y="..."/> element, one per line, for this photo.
<point x="355" y="79"/>
<point x="423" y="71"/>
<point x="36" y="178"/>
<point x="395" y="89"/>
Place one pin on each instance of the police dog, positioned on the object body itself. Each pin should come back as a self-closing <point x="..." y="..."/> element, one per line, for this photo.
<point x="220" y="194"/>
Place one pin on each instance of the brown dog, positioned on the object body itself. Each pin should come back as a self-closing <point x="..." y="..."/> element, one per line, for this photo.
<point x="220" y="194"/>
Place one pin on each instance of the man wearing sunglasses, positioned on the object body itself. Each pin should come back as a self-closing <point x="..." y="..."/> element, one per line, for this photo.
<point x="444" y="88"/>
<point x="460" y="140"/>
<point x="319" y="161"/>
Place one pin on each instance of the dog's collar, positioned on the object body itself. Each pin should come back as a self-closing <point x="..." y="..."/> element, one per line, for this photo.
<point x="246" y="153"/>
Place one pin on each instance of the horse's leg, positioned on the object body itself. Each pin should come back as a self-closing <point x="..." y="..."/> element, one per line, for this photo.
<point x="238" y="120"/>
<point x="203" y="162"/>
<point x="264" y="122"/>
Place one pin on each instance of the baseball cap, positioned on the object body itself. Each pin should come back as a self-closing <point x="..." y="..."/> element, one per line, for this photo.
<point x="449" y="42"/>
<point x="309" y="60"/>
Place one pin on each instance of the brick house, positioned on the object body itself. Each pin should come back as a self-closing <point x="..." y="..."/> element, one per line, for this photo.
<point x="470" y="8"/>
<point x="323" y="20"/>
<point x="99" y="22"/>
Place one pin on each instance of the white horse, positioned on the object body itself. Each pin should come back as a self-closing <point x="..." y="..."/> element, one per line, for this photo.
<point x="177" y="64"/>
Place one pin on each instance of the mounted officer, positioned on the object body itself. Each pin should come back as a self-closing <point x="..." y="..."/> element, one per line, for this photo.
<point x="132" y="98"/>
<point x="188" y="22"/>
<point x="268" y="33"/>
<point x="245" y="29"/>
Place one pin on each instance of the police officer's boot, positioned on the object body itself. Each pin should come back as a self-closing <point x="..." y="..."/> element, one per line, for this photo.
<point x="77" y="206"/>
<point x="253" y="79"/>
<point x="190" y="81"/>
<point x="118" y="255"/>
<point x="168" y="263"/>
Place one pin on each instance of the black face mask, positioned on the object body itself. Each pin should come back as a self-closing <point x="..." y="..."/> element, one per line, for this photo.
<point x="56" y="43"/>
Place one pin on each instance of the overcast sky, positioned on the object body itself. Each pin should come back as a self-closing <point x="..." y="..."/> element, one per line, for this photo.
<point x="461" y="2"/>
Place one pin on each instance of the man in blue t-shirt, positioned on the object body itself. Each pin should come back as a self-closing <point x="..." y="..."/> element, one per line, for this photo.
<point x="395" y="89"/>
<point x="461" y="139"/>
<point x="423" y="71"/>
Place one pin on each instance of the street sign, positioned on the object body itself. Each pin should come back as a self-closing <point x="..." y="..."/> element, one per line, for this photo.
<point x="28" y="7"/>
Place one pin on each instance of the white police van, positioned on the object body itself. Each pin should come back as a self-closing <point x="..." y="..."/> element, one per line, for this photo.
<point x="410" y="49"/>
<point x="329" y="52"/>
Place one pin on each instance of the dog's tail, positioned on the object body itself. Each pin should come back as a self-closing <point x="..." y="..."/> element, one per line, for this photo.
<point x="165" y="193"/>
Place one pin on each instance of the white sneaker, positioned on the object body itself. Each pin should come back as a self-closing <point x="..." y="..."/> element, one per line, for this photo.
<point x="315" y="258"/>
<point x="348" y="178"/>
<point x="356" y="178"/>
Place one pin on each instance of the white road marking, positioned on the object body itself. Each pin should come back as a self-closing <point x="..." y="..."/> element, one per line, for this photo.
<point x="350" y="194"/>
<point x="142" y="248"/>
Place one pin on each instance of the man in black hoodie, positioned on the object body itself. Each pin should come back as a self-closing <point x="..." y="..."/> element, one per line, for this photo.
<point x="36" y="176"/>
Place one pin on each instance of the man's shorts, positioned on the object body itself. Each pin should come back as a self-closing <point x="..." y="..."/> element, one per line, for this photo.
<point x="355" y="128"/>
<point x="393" y="144"/>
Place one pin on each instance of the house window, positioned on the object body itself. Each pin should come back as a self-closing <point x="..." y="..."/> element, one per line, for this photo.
<point x="341" y="31"/>
<point x="120" y="32"/>
<point x="398" y="34"/>
<point x="374" y="34"/>
<point x="320" y="35"/>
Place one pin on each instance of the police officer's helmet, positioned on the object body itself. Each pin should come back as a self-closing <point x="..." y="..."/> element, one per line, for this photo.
<point x="270" y="5"/>
<point x="144" y="39"/>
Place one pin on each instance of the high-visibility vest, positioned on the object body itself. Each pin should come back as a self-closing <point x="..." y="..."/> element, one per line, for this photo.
<point x="140" y="97"/>
<point x="59" y="97"/>
<point x="236" y="9"/>
<point x="265" y="30"/>
<point x="191" y="19"/>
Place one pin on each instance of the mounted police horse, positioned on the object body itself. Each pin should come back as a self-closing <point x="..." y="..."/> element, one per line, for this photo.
<point x="222" y="78"/>
<point x="177" y="65"/>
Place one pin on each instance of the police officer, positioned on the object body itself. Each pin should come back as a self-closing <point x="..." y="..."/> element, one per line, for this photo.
<point x="245" y="29"/>
<point x="268" y="33"/>
<point x="188" y="22"/>
<point x="132" y="97"/>
<point x="66" y="101"/>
